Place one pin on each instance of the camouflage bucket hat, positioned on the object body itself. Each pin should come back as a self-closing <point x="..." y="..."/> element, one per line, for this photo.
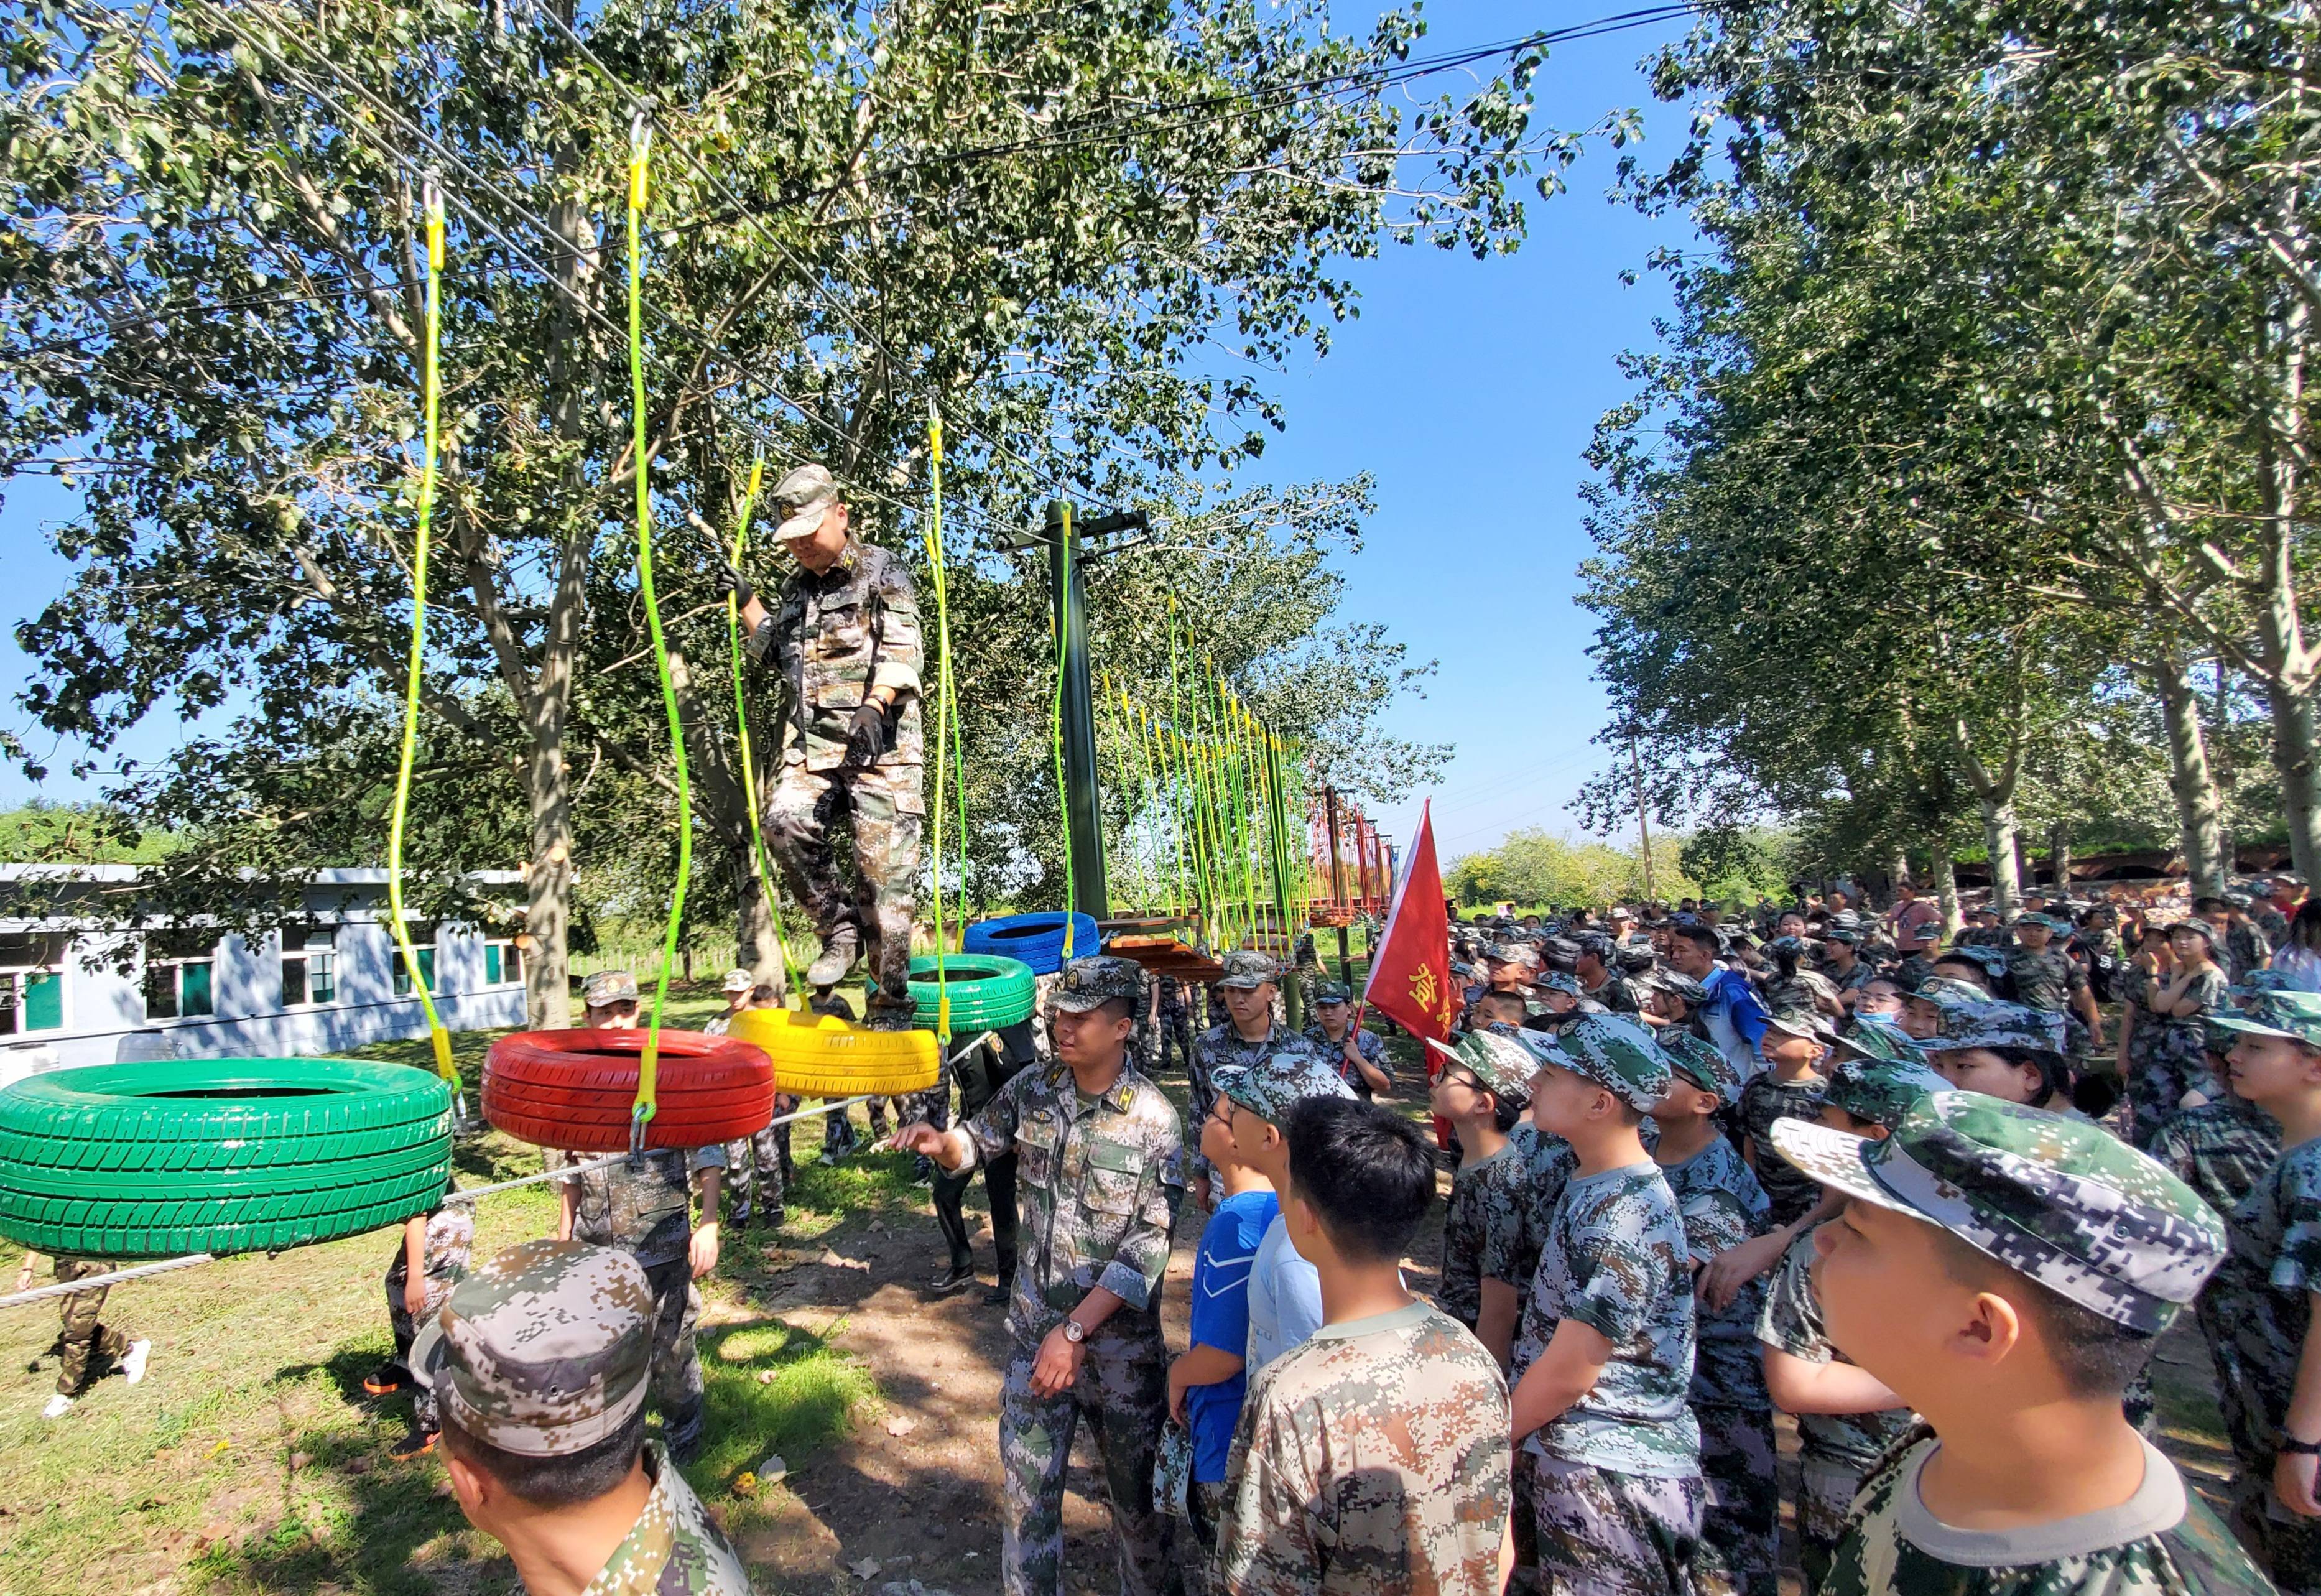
<point x="1851" y="936"/>
<point x="1876" y="1037"/>
<point x="1087" y="983"/>
<point x="2294" y="1014"/>
<point x="1997" y="1025"/>
<point x="544" y="1349"/>
<point x="1677" y="985"/>
<point x="2198" y="926"/>
<point x="1556" y="980"/>
<point x="1878" y="1091"/>
<point x="737" y="980"/>
<point x="1619" y="1055"/>
<point x="609" y="986"/>
<point x="1700" y="1064"/>
<point x="1249" y="970"/>
<point x="1952" y="998"/>
<point x="2257" y="982"/>
<point x="1279" y="1082"/>
<point x="2056" y="1199"/>
<point x="1503" y="1065"/>
<point x="804" y="497"/>
<point x="1332" y="992"/>
<point x="1512" y="952"/>
<point x="1804" y="1022"/>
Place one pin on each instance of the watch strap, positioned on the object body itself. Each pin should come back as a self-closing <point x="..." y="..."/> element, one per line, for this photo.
<point x="2299" y="1448"/>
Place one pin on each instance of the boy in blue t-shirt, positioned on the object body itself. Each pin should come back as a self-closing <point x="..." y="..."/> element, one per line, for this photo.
<point x="1206" y="1384"/>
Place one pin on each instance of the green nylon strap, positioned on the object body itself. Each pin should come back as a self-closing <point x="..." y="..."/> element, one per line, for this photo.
<point x="761" y="863"/>
<point x="648" y="1064"/>
<point x="431" y="390"/>
<point x="1056" y="724"/>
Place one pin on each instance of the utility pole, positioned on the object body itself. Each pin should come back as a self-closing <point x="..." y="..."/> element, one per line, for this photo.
<point x="1643" y="831"/>
<point x="1337" y="890"/>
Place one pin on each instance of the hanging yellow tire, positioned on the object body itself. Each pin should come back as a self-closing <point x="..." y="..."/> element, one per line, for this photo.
<point x="820" y="1055"/>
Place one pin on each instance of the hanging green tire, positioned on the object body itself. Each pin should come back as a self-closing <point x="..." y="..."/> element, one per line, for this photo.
<point x="218" y="1156"/>
<point x="987" y="992"/>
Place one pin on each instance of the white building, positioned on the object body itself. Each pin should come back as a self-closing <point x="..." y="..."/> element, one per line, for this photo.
<point x="78" y="992"/>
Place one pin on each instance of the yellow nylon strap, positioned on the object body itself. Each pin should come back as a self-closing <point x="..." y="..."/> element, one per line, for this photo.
<point x="760" y="864"/>
<point x="934" y="542"/>
<point x="431" y="392"/>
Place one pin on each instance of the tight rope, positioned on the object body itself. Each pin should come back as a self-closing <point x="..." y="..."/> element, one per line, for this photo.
<point x="1056" y="724"/>
<point x="760" y="862"/>
<point x="649" y="1062"/>
<point x="934" y="541"/>
<point x="431" y="390"/>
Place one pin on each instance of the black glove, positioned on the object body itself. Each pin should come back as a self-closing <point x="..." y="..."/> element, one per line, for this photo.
<point x="866" y="738"/>
<point x="729" y="577"/>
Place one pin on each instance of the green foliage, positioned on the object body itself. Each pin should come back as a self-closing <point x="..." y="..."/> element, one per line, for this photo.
<point x="1531" y="866"/>
<point x="78" y="834"/>
<point x="1740" y="863"/>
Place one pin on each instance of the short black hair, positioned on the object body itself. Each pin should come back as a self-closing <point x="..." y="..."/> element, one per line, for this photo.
<point x="1701" y="934"/>
<point x="1366" y="1172"/>
<point x="2094" y="1355"/>
<point x="568" y="1479"/>
<point x="1518" y="998"/>
<point x="2054" y="1073"/>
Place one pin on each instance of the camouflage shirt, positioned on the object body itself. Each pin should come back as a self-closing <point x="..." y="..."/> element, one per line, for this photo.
<point x="1614" y="1258"/>
<point x="1371" y="1460"/>
<point x="1369" y="1044"/>
<point x="2257" y="1295"/>
<point x="2221" y="1150"/>
<point x="644" y="1206"/>
<point x="1791" y="1323"/>
<point x="1101" y="1178"/>
<point x="1862" y="974"/>
<point x="450" y="1242"/>
<point x="1763" y="1100"/>
<point x="2246" y="949"/>
<point x="673" y="1549"/>
<point x="1549" y="1163"/>
<point x="1724" y="1206"/>
<point x="1220" y="1047"/>
<point x="2164" y="1541"/>
<point x="2046" y="979"/>
<point x="1488" y="1234"/>
<point x="1615" y="995"/>
<point x="834" y="637"/>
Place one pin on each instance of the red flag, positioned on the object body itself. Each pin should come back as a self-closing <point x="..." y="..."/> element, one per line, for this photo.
<point x="1410" y="972"/>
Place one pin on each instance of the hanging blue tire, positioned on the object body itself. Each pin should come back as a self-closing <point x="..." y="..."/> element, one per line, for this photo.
<point x="987" y="992"/>
<point x="1037" y="940"/>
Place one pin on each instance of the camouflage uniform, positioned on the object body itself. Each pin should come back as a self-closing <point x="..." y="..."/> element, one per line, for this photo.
<point x="1221" y="1047"/>
<point x="2049" y="981"/>
<point x="2177" y="1058"/>
<point x="1615" y="1478"/>
<point x="83" y="1345"/>
<point x="1739" y="1554"/>
<point x="1765" y="1099"/>
<point x="1835" y="1450"/>
<point x="2246" y="949"/>
<point x="445" y="1255"/>
<point x="1549" y="1163"/>
<point x="1174" y="1026"/>
<point x="1369" y="1044"/>
<point x="1371" y="1460"/>
<point x="575" y="1321"/>
<point x="1101" y="1178"/>
<point x="645" y="1207"/>
<point x="1488" y="1234"/>
<point x="835" y="637"/>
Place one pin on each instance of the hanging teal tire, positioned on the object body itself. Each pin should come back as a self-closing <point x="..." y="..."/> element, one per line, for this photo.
<point x="987" y="992"/>
<point x="218" y="1156"/>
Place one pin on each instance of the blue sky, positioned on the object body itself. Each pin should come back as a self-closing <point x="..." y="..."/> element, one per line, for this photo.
<point x="1468" y="387"/>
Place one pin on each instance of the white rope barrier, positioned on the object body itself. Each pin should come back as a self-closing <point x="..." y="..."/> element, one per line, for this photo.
<point x="97" y="1282"/>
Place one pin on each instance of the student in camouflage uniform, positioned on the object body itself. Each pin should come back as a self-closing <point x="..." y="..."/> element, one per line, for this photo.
<point x="1490" y="1246"/>
<point x="1604" y="1361"/>
<point x="1247" y="1037"/>
<point x="1843" y="967"/>
<point x="644" y="1206"/>
<point x="2246" y="946"/>
<point x="1598" y="980"/>
<point x="2181" y="1004"/>
<point x="1722" y="1205"/>
<point x="981" y="1074"/>
<point x="540" y="1361"/>
<point x="1987" y="932"/>
<point x="2261" y="1301"/>
<point x="844" y="635"/>
<point x="1846" y="1418"/>
<point x="757" y="1167"/>
<point x="1101" y="1159"/>
<point x="86" y="1347"/>
<point x="2046" y="979"/>
<point x="2006" y="1271"/>
<point x="430" y="1259"/>
<point x="1360" y="1055"/>
<point x="1508" y="966"/>
<point x="1372" y="1459"/>
<point x="1171" y="1022"/>
<point x="1795" y="1041"/>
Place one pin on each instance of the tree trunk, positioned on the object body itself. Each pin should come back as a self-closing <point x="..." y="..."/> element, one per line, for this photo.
<point x="757" y="947"/>
<point x="1946" y="893"/>
<point x="1897" y="873"/>
<point x="2058" y="851"/>
<point x="1999" y="837"/>
<point x="2295" y="747"/>
<point x="2191" y="781"/>
<point x="547" y="879"/>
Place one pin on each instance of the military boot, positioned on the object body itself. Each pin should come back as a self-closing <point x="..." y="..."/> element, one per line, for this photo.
<point x="839" y="950"/>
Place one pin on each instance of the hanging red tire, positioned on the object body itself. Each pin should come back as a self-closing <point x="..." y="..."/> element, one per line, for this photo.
<point x="576" y="1090"/>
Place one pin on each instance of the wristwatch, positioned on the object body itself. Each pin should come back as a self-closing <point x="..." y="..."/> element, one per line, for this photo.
<point x="1074" y="1333"/>
<point x="2299" y="1448"/>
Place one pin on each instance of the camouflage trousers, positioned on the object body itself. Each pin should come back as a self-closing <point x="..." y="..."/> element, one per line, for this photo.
<point x="84" y="1347"/>
<point x="887" y="830"/>
<point x="757" y="1170"/>
<point x="406" y="1326"/>
<point x="2171" y="1065"/>
<point x="1740" y="1549"/>
<point x="2285" y="1547"/>
<point x="678" y="1389"/>
<point x="1173" y="1027"/>
<point x="1827" y="1487"/>
<point x="1602" y="1532"/>
<point x="1206" y="1501"/>
<point x="1122" y="1396"/>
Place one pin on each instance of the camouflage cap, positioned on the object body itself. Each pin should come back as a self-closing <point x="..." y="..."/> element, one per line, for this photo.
<point x="1878" y="1091"/>
<point x="2054" y="922"/>
<point x="2056" y="1199"/>
<point x="1279" y="1082"/>
<point x="1248" y="969"/>
<point x="2239" y="901"/>
<point x="542" y="1350"/>
<point x="2198" y="926"/>
<point x="1851" y="936"/>
<point x="737" y="980"/>
<point x="1512" y="952"/>
<point x="1877" y="1037"/>
<point x="1701" y="1063"/>
<point x="1946" y="994"/>
<point x="1799" y="1021"/>
<point x="1503" y="1064"/>
<point x="2294" y="1014"/>
<point x="1619" y="1054"/>
<point x="1556" y="980"/>
<point x="1786" y="944"/>
<point x="2258" y="982"/>
<point x="1594" y="943"/>
<point x="1332" y="992"/>
<point x="804" y="497"/>
<point x="1991" y="1024"/>
<point x="609" y="986"/>
<point x="1991" y="961"/>
<point x="1676" y="984"/>
<point x="1088" y="982"/>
